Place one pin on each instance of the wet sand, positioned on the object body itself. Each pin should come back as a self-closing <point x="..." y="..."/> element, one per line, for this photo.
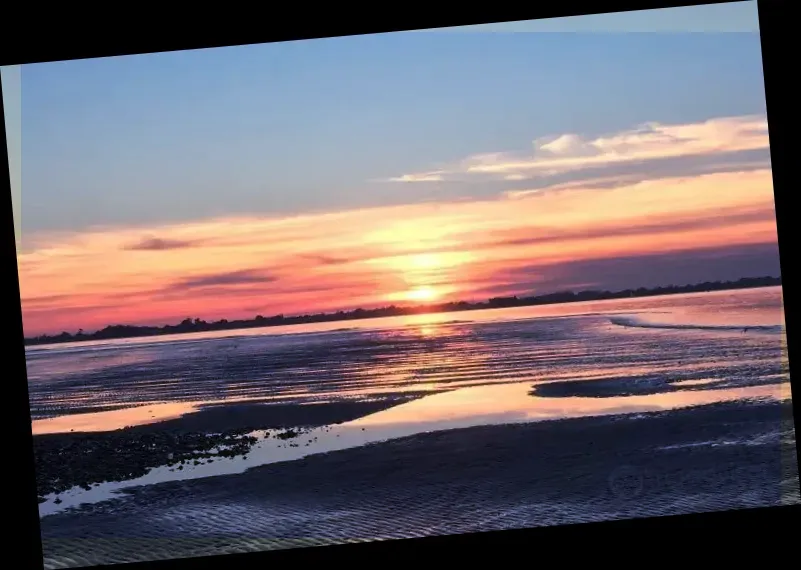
<point x="64" y="460"/>
<point x="465" y="480"/>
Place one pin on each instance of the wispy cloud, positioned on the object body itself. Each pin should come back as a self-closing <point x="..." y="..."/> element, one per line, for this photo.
<point x="159" y="244"/>
<point x="565" y="153"/>
<point x="656" y="202"/>
<point x="689" y="265"/>
<point x="323" y="259"/>
<point x="436" y="176"/>
<point x="667" y="224"/>
<point x="243" y="277"/>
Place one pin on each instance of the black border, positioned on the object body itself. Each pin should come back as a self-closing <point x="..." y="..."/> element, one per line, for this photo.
<point x="133" y="29"/>
<point x="126" y="29"/>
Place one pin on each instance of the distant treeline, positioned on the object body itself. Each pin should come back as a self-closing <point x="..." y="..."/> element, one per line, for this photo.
<point x="199" y="325"/>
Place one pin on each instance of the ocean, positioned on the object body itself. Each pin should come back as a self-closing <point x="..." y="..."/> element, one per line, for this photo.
<point x="657" y="339"/>
<point x="441" y="378"/>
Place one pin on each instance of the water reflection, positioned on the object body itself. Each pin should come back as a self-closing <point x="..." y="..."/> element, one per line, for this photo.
<point x="468" y="407"/>
<point x="478" y="367"/>
<point x="142" y="414"/>
<point x="428" y="331"/>
<point x="696" y="382"/>
<point x="407" y="354"/>
<point x="113" y="419"/>
<point x="422" y="353"/>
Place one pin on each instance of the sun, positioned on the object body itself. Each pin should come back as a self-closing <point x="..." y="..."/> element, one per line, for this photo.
<point x="422" y="294"/>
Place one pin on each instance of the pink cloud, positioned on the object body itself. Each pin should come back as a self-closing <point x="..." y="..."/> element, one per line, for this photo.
<point x="224" y="267"/>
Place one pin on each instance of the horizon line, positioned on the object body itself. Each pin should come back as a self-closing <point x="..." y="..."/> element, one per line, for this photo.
<point x="427" y="308"/>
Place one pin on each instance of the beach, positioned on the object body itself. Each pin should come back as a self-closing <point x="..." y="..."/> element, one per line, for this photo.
<point x="465" y="480"/>
<point x="577" y="414"/>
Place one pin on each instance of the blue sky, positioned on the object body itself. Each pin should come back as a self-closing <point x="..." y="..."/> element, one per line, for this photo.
<point x="319" y="125"/>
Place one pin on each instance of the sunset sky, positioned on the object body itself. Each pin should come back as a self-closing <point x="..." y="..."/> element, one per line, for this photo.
<point x="367" y="171"/>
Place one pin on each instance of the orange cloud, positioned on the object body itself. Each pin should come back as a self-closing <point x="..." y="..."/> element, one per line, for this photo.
<point x="235" y="267"/>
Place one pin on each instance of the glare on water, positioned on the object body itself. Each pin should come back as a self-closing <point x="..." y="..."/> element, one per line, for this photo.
<point x="466" y="369"/>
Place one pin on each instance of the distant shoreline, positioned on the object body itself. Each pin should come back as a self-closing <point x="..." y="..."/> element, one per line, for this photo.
<point x="197" y="325"/>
